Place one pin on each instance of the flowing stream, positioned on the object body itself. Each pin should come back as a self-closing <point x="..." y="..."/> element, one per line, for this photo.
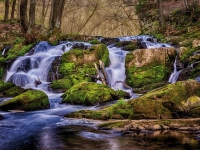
<point x="50" y="130"/>
<point x="175" y="74"/>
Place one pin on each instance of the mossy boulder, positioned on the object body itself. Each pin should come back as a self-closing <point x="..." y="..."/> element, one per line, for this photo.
<point x="90" y="93"/>
<point x="8" y="89"/>
<point x="178" y="100"/>
<point x="5" y="85"/>
<point x="149" y="66"/>
<point x="27" y="101"/>
<point x="14" y="91"/>
<point x="77" y="64"/>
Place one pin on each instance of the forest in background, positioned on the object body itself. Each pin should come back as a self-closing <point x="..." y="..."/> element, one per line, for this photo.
<point x="93" y="17"/>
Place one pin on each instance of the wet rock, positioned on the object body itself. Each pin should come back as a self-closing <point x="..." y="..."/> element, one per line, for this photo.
<point x="5" y="50"/>
<point x="89" y="93"/>
<point x="153" y="127"/>
<point x="109" y="41"/>
<point x="27" y="101"/>
<point x="195" y="43"/>
<point x="149" y="66"/>
<point x="185" y="74"/>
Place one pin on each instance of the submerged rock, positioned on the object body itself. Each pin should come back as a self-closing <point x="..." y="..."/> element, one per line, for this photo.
<point x="28" y="101"/>
<point x="1" y="117"/>
<point x="89" y="93"/>
<point x="178" y="100"/>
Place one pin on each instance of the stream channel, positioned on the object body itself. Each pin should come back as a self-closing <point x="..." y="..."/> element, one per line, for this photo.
<point x="50" y="130"/>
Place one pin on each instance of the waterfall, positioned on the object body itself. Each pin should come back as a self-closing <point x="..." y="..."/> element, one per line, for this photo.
<point x="116" y="70"/>
<point x="175" y="74"/>
<point x="35" y="65"/>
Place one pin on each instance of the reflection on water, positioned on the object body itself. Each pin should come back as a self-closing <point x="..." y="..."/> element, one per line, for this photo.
<point x="76" y="137"/>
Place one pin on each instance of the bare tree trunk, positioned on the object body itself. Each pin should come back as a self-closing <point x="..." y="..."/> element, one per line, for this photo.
<point x="18" y="9"/>
<point x="186" y="4"/>
<point x="161" y="15"/>
<point x="43" y="12"/>
<point x="6" y="10"/>
<point x="13" y="10"/>
<point x="23" y="15"/>
<point x="31" y="16"/>
<point x="57" y="10"/>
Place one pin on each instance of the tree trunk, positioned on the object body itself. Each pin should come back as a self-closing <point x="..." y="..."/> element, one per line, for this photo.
<point x="161" y="15"/>
<point x="186" y="4"/>
<point x="43" y="12"/>
<point x="57" y="10"/>
<point x="31" y="16"/>
<point x="18" y="9"/>
<point x="13" y="10"/>
<point x="6" y="10"/>
<point x="23" y="15"/>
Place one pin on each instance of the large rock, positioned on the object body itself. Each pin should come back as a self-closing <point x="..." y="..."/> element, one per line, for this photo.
<point x="89" y="93"/>
<point x="195" y="43"/>
<point x="28" y="101"/>
<point x="77" y="63"/>
<point x="149" y="66"/>
<point x="178" y="100"/>
<point x="144" y="57"/>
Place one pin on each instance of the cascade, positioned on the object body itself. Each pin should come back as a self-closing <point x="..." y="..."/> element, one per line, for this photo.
<point x="116" y="70"/>
<point x="35" y="65"/>
<point x="175" y="74"/>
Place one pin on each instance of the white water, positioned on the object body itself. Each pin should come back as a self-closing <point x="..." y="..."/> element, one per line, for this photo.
<point x="175" y="74"/>
<point x="148" y="41"/>
<point x="29" y="68"/>
<point x="116" y="70"/>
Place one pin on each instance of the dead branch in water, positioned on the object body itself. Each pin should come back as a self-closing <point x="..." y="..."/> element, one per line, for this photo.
<point x="125" y="85"/>
<point x="98" y="74"/>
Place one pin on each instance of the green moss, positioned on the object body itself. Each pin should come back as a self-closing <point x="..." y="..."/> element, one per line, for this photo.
<point x="19" y="40"/>
<point x="95" y="41"/>
<point x="67" y="68"/>
<point x="18" y="50"/>
<point x="77" y="64"/>
<point x="115" y="124"/>
<point x="1" y="71"/>
<point x="138" y="77"/>
<point x="102" y="53"/>
<point x="28" y="101"/>
<point x="63" y="84"/>
<point x="14" y="91"/>
<point x="160" y="103"/>
<point x="5" y="85"/>
<point x="195" y="72"/>
<point x="89" y="93"/>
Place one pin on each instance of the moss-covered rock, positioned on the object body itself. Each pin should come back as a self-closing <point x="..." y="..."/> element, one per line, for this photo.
<point x="78" y="63"/>
<point x="18" y="50"/>
<point x="5" y="85"/>
<point x="14" y="91"/>
<point x="177" y="100"/>
<point x="89" y="93"/>
<point x="27" y="101"/>
<point x="149" y="66"/>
